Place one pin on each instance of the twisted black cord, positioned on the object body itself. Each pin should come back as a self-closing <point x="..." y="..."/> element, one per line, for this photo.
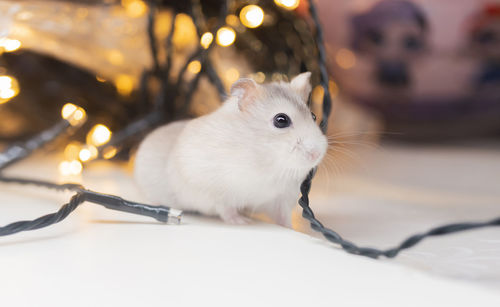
<point x="160" y="213"/>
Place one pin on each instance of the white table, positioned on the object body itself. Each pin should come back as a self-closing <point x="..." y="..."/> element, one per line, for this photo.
<point x="98" y="257"/>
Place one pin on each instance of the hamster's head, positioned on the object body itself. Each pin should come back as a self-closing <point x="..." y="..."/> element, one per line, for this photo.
<point x="280" y="123"/>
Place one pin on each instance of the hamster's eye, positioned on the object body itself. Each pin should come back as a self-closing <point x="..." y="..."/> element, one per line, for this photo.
<point x="281" y="120"/>
<point x="313" y="116"/>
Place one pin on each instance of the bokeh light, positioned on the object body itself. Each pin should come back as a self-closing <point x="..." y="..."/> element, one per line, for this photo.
<point x="225" y="36"/>
<point x="251" y="16"/>
<point x="9" y="88"/>
<point x="98" y="135"/>
<point x="74" y="114"/>
<point x="288" y="4"/>
<point x="206" y="39"/>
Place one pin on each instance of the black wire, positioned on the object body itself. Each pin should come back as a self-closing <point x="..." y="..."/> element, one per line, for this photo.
<point x="160" y="213"/>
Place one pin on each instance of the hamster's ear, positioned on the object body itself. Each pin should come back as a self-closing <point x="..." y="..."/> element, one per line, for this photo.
<point x="246" y="92"/>
<point x="301" y="84"/>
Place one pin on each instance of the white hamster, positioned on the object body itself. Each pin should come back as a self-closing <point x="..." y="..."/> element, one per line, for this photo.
<point x="251" y="154"/>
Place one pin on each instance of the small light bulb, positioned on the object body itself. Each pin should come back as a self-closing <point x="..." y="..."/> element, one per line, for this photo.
<point x="225" y="36"/>
<point x="75" y="167"/>
<point x="98" y="135"/>
<point x="9" y="88"/>
<point x="109" y="152"/>
<point x="88" y="153"/>
<point x="251" y="16"/>
<point x="124" y="84"/>
<point x="206" y="39"/>
<point x="75" y="115"/>
<point x="194" y="67"/>
<point x="288" y="4"/>
<point x="10" y="45"/>
<point x="72" y="151"/>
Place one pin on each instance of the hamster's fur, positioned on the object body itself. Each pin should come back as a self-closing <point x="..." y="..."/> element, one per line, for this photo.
<point x="235" y="158"/>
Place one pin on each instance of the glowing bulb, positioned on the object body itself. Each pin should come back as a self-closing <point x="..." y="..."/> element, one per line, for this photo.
<point x="134" y="8"/>
<point x="100" y="79"/>
<point x="288" y="4"/>
<point x="345" y="58"/>
<point x="98" y="135"/>
<point x="67" y="168"/>
<point x="9" y="88"/>
<point x="88" y="153"/>
<point x="206" y="39"/>
<point x="232" y="74"/>
<point x="251" y="16"/>
<point x="259" y="77"/>
<point x="124" y="84"/>
<point x="75" y="115"/>
<point x="72" y="151"/>
<point x="185" y="31"/>
<point x="194" y="67"/>
<point x="109" y="152"/>
<point x="225" y="36"/>
<point x="75" y="167"/>
<point x="10" y="45"/>
<point x="115" y="57"/>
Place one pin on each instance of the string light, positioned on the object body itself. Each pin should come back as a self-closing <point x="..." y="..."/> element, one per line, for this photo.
<point x="88" y="153"/>
<point x="194" y="67"/>
<point x="109" y="152"/>
<point x="9" y="88"/>
<point x="251" y="16"/>
<point x="98" y="135"/>
<point x="232" y="20"/>
<point x="115" y="57"/>
<point x="225" y="36"/>
<point x="232" y="74"/>
<point x="75" y="115"/>
<point x="259" y="77"/>
<point x="185" y="31"/>
<point x="288" y="4"/>
<point x="124" y="84"/>
<point x="206" y="39"/>
<point x="73" y="167"/>
<point x="9" y="45"/>
<point x="72" y="150"/>
<point x="135" y="8"/>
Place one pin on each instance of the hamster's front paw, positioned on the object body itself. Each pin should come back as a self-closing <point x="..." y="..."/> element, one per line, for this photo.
<point x="232" y="216"/>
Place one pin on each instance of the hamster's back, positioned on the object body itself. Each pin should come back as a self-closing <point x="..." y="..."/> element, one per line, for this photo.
<point x="151" y="160"/>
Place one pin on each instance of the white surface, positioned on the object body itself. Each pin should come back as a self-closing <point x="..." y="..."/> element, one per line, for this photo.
<point x="103" y="258"/>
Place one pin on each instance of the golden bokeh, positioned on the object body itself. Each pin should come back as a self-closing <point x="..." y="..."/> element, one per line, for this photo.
<point x="251" y="16"/>
<point x="288" y="4"/>
<point x="185" y="31"/>
<point x="135" y="8"/>
<point x="206" y="39"/>
<point x="124" y="84"/>
<point x="74" y="114"/>
<point x="194" y="67"/>
<point x="9" y="45"/>
<point x="109" y="152"/>
<point x="9" y="88"/>
<point x="225" y="36"/>
<point x="231" y="75"/>
<point x="88" y="153"/>
<point x="98" y="135"/>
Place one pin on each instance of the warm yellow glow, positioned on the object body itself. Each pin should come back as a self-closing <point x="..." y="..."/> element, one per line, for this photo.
<point x="72" y="151"/>
<point x="333" y="88"/>
<point x="232" y="20"/>
<point x="124" y="84"/>
<point x="67" y="168"/>
<point x="288" y="4"/>
<point x="251" y="16"/>
<point x="225" y="36"/>
<point x="75" y="115"/>
<point x="194" y="67"/>
<point x="100" y="79"/>
<point x="9" y="88"/>
<point x="259" y="77"/>
<point x="345" y="58"/>
<point x="115" y="57"/>
<point x="9" y="45"/>
<point x="135" y="8"/>
<point x="109" y="152"/>
<point x="318" y="92"/>
<point x="98" y="135"/>
<point x="185" y="31"/>
<point x="206" y="39"/>
<point x="88" y="153"/>
<point x="231" y="75"/>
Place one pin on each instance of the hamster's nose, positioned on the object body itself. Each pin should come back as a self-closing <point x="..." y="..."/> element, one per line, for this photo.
<point x="393" y="73"/>
<point x="313" y="155"/>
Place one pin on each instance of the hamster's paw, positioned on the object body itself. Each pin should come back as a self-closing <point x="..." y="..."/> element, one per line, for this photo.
<point x="232" y="216"/>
